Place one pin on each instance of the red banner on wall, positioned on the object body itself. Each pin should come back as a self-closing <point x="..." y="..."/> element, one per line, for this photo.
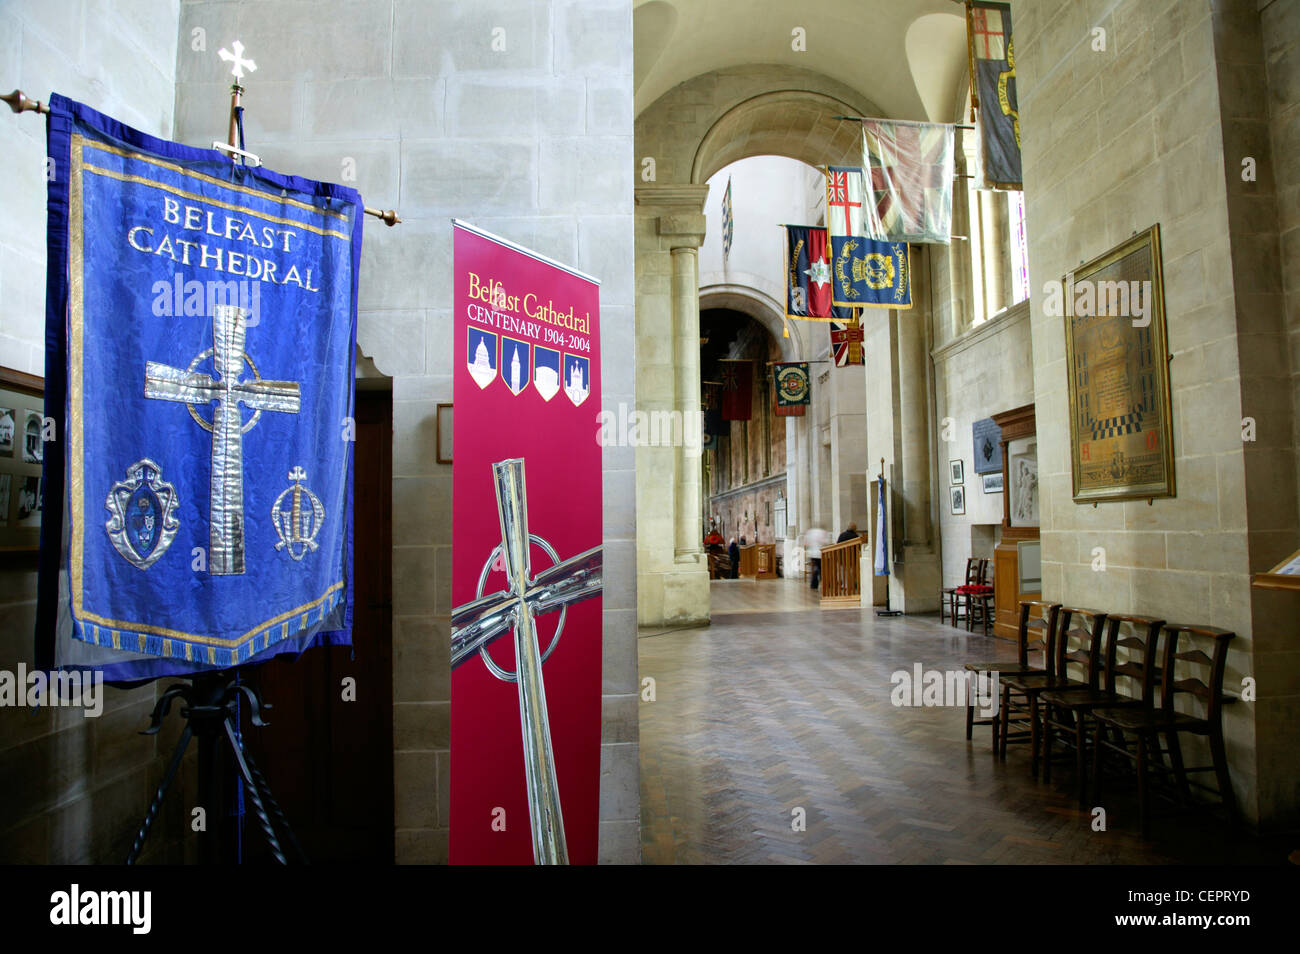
<point x="737" y="389"/>
<point x="526" y="557"/>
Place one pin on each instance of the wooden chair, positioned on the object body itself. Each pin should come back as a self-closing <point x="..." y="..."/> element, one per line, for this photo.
<point x="1147" y="724"/>
<point x="1075" y="646"/>
<point x="978" y="598"/>
<point x="1067" y="709"/>
<point x="1043" y="626"/>
<point x="948" y="594"/>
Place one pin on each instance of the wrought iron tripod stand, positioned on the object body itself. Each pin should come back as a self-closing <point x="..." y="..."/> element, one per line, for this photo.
<point x="210" y="711"/>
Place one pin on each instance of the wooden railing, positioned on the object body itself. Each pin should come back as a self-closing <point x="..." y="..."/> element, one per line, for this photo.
<point x="841" y="573"/>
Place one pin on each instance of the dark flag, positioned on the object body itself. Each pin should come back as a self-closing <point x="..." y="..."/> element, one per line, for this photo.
<point x="737" y="389"/>
<point x="207" y="432"/>
<point x="728" y="223"/>
<point x="808" y="275"/>
<point x="870" y="274"/>
<point x="846" y="341"/>
<point x="993" y="91"/>
<point x="792" y="390"/>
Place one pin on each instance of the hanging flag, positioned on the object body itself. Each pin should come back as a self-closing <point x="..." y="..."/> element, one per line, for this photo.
<point x="728" y="223"/>
<point x="737" y="389"/>
<point x="808" y="275"/>
<point x="792" y="391"/>
<point x="864" y="272"/>
<point x="882" y="530"/>
<point x="911" y="167"/>
<point x="846" y="341"/>
<point x="200" y="353"/>
<point x="845" y="192"/>
<point x="993" y="91"/>
<point x="871" y="274"/>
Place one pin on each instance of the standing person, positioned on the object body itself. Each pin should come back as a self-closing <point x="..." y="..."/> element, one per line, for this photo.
<point x="733" y="551"/>
<point x="814" y="540"/>
<point x="851" y="533"/>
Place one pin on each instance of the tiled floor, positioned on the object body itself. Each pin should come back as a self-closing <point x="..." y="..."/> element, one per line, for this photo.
<point x="779" y="706"/>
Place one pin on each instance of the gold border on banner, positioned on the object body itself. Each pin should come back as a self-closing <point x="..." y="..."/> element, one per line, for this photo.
<point x="76" y="448"/>
<point x="211" y="180"/>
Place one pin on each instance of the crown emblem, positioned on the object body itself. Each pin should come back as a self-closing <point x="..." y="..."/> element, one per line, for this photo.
<point x="297" y="515"/>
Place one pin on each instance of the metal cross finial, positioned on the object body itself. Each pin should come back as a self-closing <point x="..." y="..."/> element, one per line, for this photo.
<point x="224" y="389"/>
<point x="474" y="625"/>
<point x="237" y="58"/>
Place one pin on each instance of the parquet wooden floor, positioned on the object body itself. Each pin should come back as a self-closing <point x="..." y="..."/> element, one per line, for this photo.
<point x="779" y="705"/>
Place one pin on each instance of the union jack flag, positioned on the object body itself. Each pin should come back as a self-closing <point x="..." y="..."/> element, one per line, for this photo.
<point x="846" y="341"/>
<point x="911" y="167"/>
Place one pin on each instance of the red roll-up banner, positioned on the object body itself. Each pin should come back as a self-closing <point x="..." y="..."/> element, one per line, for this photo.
<point x="526" y="557"/>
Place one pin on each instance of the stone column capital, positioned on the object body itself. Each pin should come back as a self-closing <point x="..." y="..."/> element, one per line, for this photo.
<point x="679" y="210"/>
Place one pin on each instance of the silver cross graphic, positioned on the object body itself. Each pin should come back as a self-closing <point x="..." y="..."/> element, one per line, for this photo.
<point x="476" y="624"/>
<point x="193" y="388"/>
<point x="237" y="71"/>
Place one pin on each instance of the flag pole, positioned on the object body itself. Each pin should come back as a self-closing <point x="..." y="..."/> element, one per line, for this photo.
<point x="882" y="539"/>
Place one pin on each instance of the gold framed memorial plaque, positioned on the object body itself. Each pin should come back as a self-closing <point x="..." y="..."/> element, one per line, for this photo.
<point x="1117" y="360"/>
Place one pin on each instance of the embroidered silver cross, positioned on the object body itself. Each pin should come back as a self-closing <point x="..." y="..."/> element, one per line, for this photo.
<point x="194" y="388"/>
<point x="474" y="625"/>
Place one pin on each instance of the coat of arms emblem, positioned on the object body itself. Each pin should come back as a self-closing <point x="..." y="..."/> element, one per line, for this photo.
<point x="143" y="523"/>
<point x="297" y="514"/>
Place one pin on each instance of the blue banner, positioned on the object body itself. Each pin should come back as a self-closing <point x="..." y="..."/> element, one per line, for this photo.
<point x="200" y="349"/>
<point x="870" y="274"/>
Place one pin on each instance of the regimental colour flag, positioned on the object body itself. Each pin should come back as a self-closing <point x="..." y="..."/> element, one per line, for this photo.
<point x="200" y="359"/>
<point x="791" y="388"/>
<point x="993" y="85"/>
<point x="808" y="275"/>
<point x="865" y="272"/>
<point x="871" y="274"/>
<point x="728" y="223"/>
<point x="911" y="167"/>
<point x="846" y="341"/>
<point x="737" y="389"/>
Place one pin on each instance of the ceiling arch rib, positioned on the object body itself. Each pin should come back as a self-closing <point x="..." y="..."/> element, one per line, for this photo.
<point x="796" y="124"/>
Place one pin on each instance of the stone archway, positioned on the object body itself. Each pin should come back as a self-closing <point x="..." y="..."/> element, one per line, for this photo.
<point x="762" y="308"/>
<point x="689" y="133"/>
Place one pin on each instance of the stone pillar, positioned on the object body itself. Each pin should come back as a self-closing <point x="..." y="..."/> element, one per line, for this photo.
<point x="686" y="345"/>
<point x="921" y="569"/>
<point x="672" y="574"/>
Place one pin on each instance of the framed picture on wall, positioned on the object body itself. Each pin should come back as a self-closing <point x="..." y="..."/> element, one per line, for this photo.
<point x="992" y="483"/>
<point x="958" y="495"/>
<point x="1117" y="359"/>
<point x="444" y="433"/>
<point x="957" y="472"/>
<point x="22" y="416"/>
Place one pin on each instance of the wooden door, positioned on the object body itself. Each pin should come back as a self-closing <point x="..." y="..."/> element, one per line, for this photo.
<point x="330" y="761"/>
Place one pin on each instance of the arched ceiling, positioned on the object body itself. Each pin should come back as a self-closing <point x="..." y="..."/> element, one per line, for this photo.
<point x="864" y="44"/>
